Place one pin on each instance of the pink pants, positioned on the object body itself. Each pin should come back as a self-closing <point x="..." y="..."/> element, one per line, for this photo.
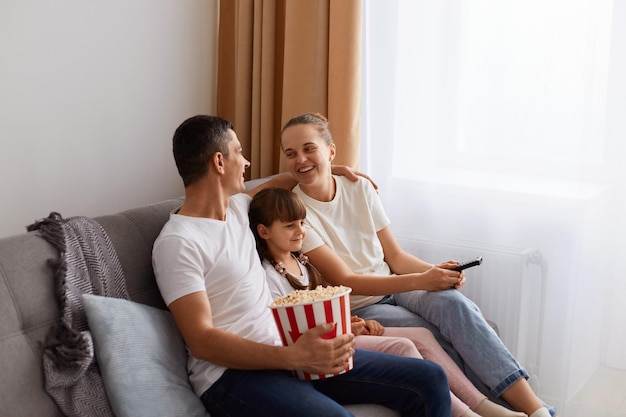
<point x="418" y="342"/>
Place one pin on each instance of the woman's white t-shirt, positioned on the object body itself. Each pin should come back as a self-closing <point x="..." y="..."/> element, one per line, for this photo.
<point x="348" y="224"/>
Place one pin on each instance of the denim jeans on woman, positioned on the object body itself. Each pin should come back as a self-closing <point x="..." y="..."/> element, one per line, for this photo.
<point x="459" y="326"/>
<point x="412" y="386"/>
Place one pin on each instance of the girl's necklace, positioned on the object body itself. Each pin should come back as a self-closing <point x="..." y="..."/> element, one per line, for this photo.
<point x="280" y="267"/>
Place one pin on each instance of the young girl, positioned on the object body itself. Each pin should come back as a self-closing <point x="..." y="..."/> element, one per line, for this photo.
<point x="277" y="221"/>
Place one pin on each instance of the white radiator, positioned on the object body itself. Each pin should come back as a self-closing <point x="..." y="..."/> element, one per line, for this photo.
<point x="507" y="286"/>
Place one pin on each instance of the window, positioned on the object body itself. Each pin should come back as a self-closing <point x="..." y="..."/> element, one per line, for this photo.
<point x="503" y="122"/>
<point x="516" y="89"/>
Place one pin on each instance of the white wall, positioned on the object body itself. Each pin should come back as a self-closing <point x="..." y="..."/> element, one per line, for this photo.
<point x="90" y="94"/>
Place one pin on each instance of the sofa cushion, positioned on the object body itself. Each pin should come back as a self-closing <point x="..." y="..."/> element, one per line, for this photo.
<point x="28" y="309"/>
<point x="142" y="359"/>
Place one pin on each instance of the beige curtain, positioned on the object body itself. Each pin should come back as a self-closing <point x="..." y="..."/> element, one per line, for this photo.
<point x="280" y="58"/>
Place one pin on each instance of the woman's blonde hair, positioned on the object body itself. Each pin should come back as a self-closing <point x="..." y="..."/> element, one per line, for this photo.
<point x="315" y="119"/>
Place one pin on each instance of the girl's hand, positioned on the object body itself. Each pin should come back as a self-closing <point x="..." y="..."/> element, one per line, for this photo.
<point x="374" y="328"/>
<point x="358" y="325"/>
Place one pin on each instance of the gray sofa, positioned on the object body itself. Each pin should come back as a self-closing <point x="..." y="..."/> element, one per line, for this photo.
<point x="28" y="307"/>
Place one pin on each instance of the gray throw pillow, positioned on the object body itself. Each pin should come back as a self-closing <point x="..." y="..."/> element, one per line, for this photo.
<point x="142" y="358"/>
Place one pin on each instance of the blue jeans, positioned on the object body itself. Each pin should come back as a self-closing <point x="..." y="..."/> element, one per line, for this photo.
<point x="459" y="326"/>
<point x="412" y="386"/>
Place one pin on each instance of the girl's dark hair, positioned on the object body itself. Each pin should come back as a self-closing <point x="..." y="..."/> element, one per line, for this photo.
<point x="269" y="205"/>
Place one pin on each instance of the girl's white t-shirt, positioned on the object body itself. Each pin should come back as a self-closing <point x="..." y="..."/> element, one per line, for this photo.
<point x="278" y="284"/>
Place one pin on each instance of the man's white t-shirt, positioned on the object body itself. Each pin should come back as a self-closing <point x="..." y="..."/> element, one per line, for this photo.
<point x="348" y="225"/>
<point x="217" y="257"/>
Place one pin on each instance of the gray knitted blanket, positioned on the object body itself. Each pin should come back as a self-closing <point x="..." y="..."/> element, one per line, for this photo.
<point x="87" y="263"/>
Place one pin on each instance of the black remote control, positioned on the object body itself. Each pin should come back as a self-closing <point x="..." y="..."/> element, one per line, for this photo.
<point x="468" y="264"/>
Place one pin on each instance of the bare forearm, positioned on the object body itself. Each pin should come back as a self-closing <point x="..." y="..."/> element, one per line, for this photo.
<point x="379" y="284"/>
<point x="434" y="279"/>
<point x="232" y="351"/>
<point x="336" y="272"/>
<point x="311" y="353"/>
<point x="404" y="263"/>
<point x="285" y="181"/>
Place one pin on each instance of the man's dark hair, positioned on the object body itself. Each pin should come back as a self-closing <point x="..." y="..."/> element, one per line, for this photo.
<point x="195" y="141"/>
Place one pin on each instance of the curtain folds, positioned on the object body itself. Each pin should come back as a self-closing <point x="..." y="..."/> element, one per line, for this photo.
<point x="280" y="58"/>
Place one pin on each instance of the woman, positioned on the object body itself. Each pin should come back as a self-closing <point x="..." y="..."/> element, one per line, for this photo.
<point x="348" y="235"/>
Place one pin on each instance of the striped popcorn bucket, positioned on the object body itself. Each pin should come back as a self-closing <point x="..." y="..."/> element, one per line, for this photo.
<point x="294" y="319"/>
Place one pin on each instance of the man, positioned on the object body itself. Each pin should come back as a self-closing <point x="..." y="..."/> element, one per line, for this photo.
<point x="210" y="276"/>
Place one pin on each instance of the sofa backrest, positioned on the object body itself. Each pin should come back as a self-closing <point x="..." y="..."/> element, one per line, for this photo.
<point x="28" y="306"/>
<point x="133" y="233"/>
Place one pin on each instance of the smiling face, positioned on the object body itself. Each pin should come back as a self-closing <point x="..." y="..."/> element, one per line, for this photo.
<point x="283" y="237"/>
<point x="234" y="165"/>
<point x="308" y="155"/>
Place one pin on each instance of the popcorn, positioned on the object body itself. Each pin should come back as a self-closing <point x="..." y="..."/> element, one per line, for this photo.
<point x="308" y="296"/>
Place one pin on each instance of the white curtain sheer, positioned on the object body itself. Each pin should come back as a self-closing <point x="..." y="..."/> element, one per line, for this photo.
<point x="503" y="123"/>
